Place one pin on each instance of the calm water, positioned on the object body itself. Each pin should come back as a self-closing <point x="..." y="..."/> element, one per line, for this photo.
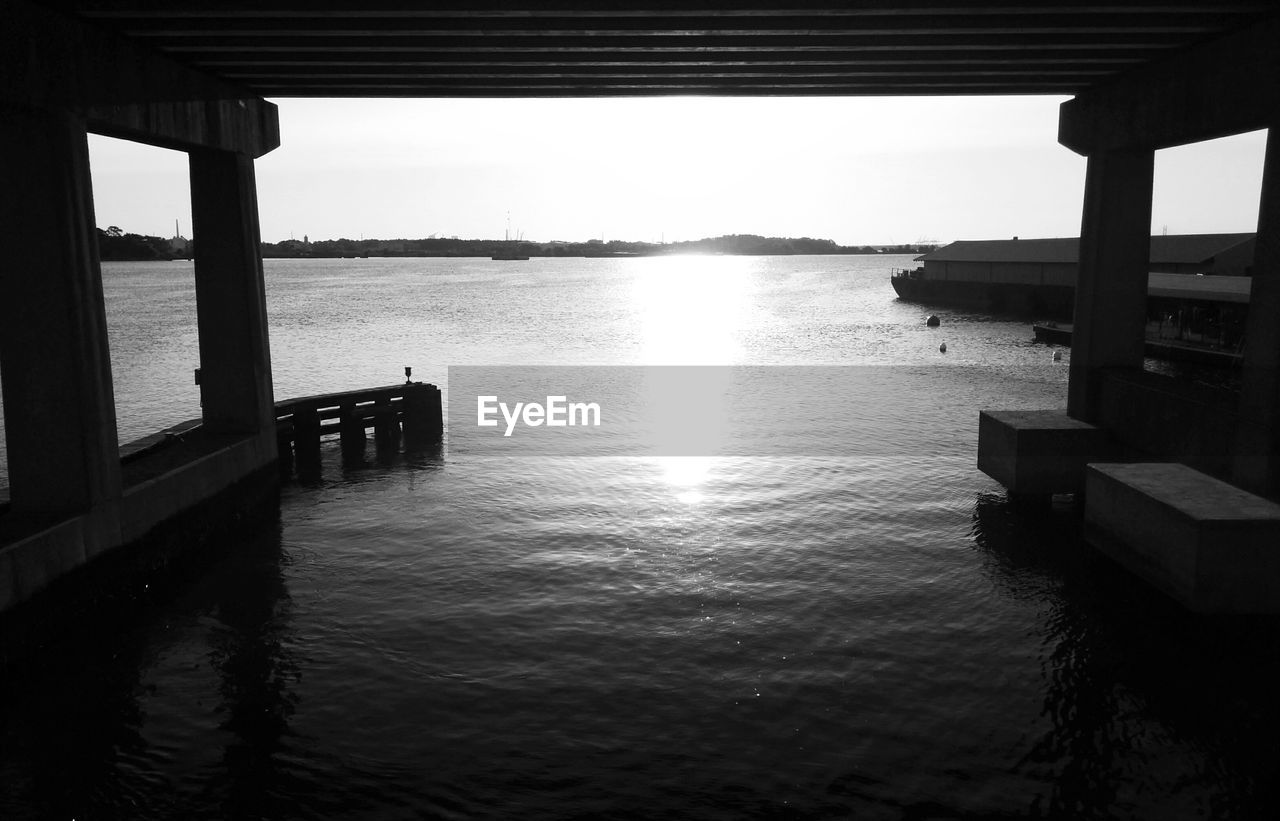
<point x="463" y="637"/>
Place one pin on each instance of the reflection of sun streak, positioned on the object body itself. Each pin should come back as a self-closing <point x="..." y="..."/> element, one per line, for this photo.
<point x="686" y="471"/>
<point x="685" y="474"/>
<point x="690" y="309"/>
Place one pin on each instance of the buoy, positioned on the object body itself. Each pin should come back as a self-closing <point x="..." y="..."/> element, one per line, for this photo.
<point x="933" y="321"/>
<point x="942" y="348"/>
<point x="1057" y="356"/>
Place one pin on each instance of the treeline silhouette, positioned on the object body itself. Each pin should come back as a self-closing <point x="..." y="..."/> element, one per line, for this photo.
<point x="116" y="245"/>
<point x="743" y="244"/>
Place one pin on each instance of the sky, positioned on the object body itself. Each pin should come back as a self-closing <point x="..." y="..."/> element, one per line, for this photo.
<point x="876" y="170"/>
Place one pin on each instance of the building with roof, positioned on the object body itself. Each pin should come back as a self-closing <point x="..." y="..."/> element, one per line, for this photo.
<point x="1038" y="276"/>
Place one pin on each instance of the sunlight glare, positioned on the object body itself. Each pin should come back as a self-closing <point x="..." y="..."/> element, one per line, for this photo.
<point x="691" y="308"/>
<point x="685" y="475"/>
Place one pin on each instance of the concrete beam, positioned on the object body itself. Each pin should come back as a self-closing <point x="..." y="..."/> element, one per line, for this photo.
<point x="50" y="61"/>
<point x="1038" y="452"/>
<point x="1225" y="86"/>
<point x="235" y="359"/>
<point x="1210" y="545"/>
<point x="1111" y="285"/>
<point x="59" y="405"/>
<point x="1257" y="449"/>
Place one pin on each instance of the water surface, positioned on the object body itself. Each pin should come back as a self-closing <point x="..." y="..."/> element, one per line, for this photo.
<point x="471" y="636"/>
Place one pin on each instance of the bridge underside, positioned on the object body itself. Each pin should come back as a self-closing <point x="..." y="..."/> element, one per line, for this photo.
<point x="1143" y="75"/>
<point x="508" y="48"/>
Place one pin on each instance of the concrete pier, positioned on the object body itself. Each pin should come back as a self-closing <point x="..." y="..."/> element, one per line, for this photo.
<point x="71" y="498"/>
<point x="66" y="70"/>
<point x="59" y="404"/>
<point x="1038" y="453"/>
<point x="1210" y="545"/>
<point x="1257" y="446"/>
<point x="1197" y="537"/>
<point x="1111" y="288"/>
<point x="235" y="357"/>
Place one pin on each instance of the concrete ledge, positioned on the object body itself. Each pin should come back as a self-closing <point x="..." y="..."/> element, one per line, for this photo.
<point x="160" y="486"/>
<point x="152" y="501"/>
<point x="131" y="578"/>
<point x="1039" y="452"/>
<point x="1171" y="420"/>
<point x="1211" y="546"/>
<point x="35" y="559"/>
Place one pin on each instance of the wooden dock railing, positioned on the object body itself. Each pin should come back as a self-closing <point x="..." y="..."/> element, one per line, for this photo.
<point x="410" y="412"/>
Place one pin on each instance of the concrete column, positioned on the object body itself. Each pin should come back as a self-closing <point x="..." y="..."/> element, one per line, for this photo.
<point x="235" y="359"/>
<point x="1111" y="286"/>
<point x="1257" y="456"/>
<point x="58" y="400"/>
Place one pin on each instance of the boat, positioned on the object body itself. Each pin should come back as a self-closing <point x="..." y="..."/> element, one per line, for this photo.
<point x="907" y="282"/>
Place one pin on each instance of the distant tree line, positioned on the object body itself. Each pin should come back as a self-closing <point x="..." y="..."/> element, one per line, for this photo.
<point x="743" y="244"/>
<point x="116" y="245"/>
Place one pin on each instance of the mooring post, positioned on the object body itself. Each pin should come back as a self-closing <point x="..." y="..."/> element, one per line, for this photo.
<point x="284" y="448"/>
<point x="306" y="438"/>
<point x="423" y="416"/>
<point x="351" y="430"/>
<point x="385" y="425"/>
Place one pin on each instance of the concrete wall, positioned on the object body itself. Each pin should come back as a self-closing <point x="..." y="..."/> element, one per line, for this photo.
<point x="1237" y="261"/>
<point x="1017" y="273"/>
<point x="36" y="552"/>
<point x="1061" y="274"/>
<point x="70" y="498"/>
<point x="1170" y="419"/>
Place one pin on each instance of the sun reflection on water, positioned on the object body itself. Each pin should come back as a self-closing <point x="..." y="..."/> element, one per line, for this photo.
<point x="686" y="475"/>
<point x="692" y="309"/>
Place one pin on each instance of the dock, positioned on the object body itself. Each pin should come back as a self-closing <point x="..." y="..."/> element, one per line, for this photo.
<point x="193" y="477"/>
<point x="1170" y="350"/>
<point x="410" y="414"/>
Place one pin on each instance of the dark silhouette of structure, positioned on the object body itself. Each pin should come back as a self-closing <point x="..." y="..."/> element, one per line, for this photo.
<point x="191" y="75"/>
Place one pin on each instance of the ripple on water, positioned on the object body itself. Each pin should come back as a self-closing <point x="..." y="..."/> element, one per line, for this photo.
<point x="876" y="634"/>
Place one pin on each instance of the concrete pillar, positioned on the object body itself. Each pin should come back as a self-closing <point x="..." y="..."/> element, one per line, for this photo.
<point x="1111" y="286"/>
<point x="1257" y="453"/>
<point x="235" y="359"/>
<point x="59" y="405"/>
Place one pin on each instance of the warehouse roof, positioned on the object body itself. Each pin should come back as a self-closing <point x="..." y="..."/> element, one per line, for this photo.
<point x="1188" y="249"/>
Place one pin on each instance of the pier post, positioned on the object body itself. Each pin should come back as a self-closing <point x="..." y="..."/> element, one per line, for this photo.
<point x="351" y="432"/>
<point x="386" y="426"/>
<point x="1111" y="286"/>
<point x="423" y="416"/>
<point x="1257" y="451"/>
<point x="59" y="404"/>
<point x="306" y="440"/>
<point x="284" y="449"/>
<point x="235" y="360"/>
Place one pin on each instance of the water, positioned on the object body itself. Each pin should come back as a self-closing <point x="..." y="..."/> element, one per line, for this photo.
<point x="479" y="637"/>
